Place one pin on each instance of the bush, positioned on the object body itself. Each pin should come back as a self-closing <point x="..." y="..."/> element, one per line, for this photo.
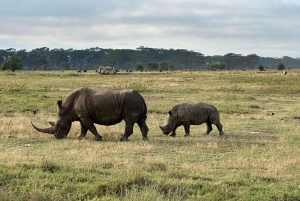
<point x="261" y="68"/>
<point x="139" y="67"/>
<point x="280" y="66"/>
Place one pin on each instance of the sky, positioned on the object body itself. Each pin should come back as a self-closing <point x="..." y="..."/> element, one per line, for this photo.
<point x="268" y="28"/>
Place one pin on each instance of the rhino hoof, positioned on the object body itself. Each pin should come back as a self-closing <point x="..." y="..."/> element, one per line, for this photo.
<point x="187" y="135"/>
<point x="145" y="139"/>
<point x="123" y="139"/>
<point x="98" y="138"/>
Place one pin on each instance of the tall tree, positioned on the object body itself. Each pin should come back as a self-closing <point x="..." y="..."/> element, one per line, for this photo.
<point x="12" y="63"/>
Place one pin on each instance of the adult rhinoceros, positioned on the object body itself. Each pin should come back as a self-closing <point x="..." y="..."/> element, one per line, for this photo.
<point x="192" y="114"/>
<point x="104" y="107"/>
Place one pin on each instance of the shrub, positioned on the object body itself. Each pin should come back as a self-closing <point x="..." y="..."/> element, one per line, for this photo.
<point x="261" y="68"/>
<point x="280" y="66"/>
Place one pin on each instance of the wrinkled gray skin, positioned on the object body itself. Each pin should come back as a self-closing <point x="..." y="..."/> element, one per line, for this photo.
<point x="104" y="107"/>
<point x="192" y="114"/>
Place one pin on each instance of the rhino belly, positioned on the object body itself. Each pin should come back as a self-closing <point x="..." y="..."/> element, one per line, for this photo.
<point x="107" y="120"/>
<point x="106" y="116"/>
<point x="198" y="121"/>
<point x="105" y="109"/>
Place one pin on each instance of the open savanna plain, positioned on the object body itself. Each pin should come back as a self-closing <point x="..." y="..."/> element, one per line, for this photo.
<point x="258" y="159"/>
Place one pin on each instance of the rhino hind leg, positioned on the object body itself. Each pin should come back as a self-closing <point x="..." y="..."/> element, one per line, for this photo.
<point x="220" y="128"/>
<point x="128" y="131"/>
<point x="209" y="128"/>
<point x="144" y="129"/>
<point x="83" y="131"/>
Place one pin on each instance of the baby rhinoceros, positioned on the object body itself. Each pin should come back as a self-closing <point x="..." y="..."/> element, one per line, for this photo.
<point x="192" y="114"/>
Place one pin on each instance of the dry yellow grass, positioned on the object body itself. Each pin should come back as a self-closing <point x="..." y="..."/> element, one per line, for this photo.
<point x="259" y="150"/>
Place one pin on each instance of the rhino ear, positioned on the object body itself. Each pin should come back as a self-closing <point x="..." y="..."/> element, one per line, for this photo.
<point x="59" y="103"/>
<point x="170" y="113"/>
<point x="51" y="123"/>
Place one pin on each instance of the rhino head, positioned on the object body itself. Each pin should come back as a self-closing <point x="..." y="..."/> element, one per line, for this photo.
<point x="59" y="129"/>
<point x="170" y="126"/>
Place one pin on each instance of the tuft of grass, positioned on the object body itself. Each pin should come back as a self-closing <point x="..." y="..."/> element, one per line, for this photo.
<point x="107" y="165"/>
<point x="155" y="166"/>
<point x="48" y="166"/>
<point x="120" y="188"/>
<point x="137" y="86"/>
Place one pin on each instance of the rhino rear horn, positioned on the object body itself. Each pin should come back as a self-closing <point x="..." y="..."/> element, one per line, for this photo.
<point x="43" y="130"/>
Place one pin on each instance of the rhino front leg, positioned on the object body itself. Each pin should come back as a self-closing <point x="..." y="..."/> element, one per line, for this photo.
<point x="186" y="125"/>
<point x="128" y="132"/>
<point x="87" y="123"/>
<point x="83" y="131"/>
<point x="173" y="134"/>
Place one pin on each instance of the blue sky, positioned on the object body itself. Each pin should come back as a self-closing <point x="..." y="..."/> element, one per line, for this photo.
<point x="269" y="28"/>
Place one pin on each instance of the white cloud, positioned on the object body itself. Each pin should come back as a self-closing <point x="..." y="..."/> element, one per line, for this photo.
<point x="267" y="28"/>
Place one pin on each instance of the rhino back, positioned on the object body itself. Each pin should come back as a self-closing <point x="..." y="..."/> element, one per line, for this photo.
<point x="107" y="107"/>
<point x="196" y="113"/>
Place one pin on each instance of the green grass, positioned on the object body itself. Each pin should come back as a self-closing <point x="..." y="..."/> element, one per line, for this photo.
<point x="257" y="160"/>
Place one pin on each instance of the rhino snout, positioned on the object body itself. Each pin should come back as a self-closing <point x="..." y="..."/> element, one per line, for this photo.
<point x="165" y="130"/>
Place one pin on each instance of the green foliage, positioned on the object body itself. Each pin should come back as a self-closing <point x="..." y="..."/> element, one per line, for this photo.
<point x="45" y="58"/>
<point x="261" y="68"/>
<point x="139" y="67"/>
<point x="12" y="63"/>
<point x="163" y="66"/>
<point x="216" y="65"/>
<point x="65" y="65"/>
<point x="280" y="66"/>
<point x="39" y="63"/>
<point x="152" y="66"/>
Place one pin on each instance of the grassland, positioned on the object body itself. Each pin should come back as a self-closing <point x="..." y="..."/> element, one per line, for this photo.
<point x="257" y="160"/>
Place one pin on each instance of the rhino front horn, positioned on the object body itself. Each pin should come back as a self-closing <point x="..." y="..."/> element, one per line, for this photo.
<point x="43" y="130"/>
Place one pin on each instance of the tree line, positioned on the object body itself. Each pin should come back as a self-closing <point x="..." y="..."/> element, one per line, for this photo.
<point x="141" y="58"/>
